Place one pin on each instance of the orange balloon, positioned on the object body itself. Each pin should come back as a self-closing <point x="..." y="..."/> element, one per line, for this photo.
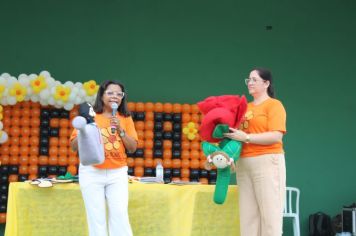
<point x="140" y="143"/>
<point x="139" y="171"/>
<point x="15" y="131"/>
<point x="54" y="122"/>
<point x="148" y="162"/>
<point x="14" y="160"/>
<point x="24" y="150"/>
<point x="185" y="154"/>
<point x="139" y="125"/>
<point x="185" y="163"/>
<point x="194" y="154"/>
<point x="33" y="169"/>
<point x="32" y="160"/>
<point x="26" y="112"/>
<point x="149" y="116"/>
<point x="177" y="108"/>
<point x="25" y="132"/>
<point x="2" y="218"/>
<point x="140" y="107"/>
<point x="34" y="141"/>
<point x="185" y="145"/>
<point x="186" y="118"/>
<point x="62" y="160"/>
<point x="202" y="164"/>
<point x="130" y="162"/>
<point x="149" y="107"/>
<point x="43" y="160"/>
<point x="32" y="176"/>
<point x="186" y="108"/>
<point x="148" y="153"/>
<point x="195" y="118"/>
<point x="35" y="132"/>
<point x="175" y="179"/>
<point x="25" y="122"/>
<point x="158" y="107"/>
<point x="5" y="159"/>
<point x="64" y="132"/>
<point x="149" y="134"/>
<point x="167" y="163"/>
<point x="73" y="113"/>
<point x="148" y="144"/>
<point x="184" y="173"/>
<point x="14" y="150"/>
<point x="63" y="151"/>
<point x="131" y="106"/>
<point x="35" y="122"/>
<point x="167" y="126"/>
<point x="194" y="145"/>
<point x="23" y="169"/>
<point x="35" y="113"/>
<point x="16" y="112"/>
<point x="53" y="151"/>
<point x="13" y="178"/>
<point x="72" y="170"/>
<point x="194" y="163"/>
<point x="54" y="141"/>
<point x="6" y="121"/>
<point x="176" y="163"/>
<point x="140" y="134"/>
<point x="167" y="153"/>
<point x="139" y="161"/>
<point x="53" y="160"/>
<point x="194" y="109"/>
<point x="204" y="181"/>
<point x="167" y="144"/>
<point x="149" y="125"/>
<point x="14" y="141"/>
<point x="167" y="107"/>
<point x="25" y="141"/>
<point x="5" y="149"/>
<point x="64" y="123"/>
<point x="73" y="161"/>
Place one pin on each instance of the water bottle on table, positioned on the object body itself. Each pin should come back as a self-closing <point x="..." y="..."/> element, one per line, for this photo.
<point x="159" y="172"/>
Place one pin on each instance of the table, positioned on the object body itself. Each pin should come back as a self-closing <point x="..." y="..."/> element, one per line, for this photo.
<point x="154" y="209"/>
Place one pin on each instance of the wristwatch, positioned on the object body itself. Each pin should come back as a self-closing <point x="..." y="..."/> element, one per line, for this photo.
<point x="122" y="133"/>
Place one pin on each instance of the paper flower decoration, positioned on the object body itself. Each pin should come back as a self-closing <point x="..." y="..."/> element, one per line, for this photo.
<point x="190" y="130"/>
<point x="18" y="91"/>
<point x="62" y="93"/>
<point x="90" y="87"/>
<point x="38" y="84"/>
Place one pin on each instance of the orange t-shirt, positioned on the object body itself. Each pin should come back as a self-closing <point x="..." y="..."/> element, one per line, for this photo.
<point x="115" y="156"/>
<point x="267" y="116"/>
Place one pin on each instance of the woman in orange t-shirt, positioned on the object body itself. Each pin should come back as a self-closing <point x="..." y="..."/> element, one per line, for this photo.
<point x="106" y="184"/>
<point x="261" y="171"/>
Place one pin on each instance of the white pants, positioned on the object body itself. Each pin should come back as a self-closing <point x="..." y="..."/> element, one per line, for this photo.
<point x="105" y="189"/>
<point x="262" y="186"/>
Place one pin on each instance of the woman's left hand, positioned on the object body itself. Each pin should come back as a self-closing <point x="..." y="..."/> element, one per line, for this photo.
<point x="236" y="134"/>
<point x="114" y="121"/>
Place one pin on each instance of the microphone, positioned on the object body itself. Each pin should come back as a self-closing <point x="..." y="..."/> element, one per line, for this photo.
<point x="114" y="108"/>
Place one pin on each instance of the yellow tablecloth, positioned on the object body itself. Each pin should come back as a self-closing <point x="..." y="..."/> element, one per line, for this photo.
<point x="154" y="209"/>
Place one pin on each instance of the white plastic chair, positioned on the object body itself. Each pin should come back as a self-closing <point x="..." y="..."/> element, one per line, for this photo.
<point x="291" y="208"/>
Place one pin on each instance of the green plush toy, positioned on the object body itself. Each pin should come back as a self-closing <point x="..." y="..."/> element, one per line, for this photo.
<point x="220" y="113"/>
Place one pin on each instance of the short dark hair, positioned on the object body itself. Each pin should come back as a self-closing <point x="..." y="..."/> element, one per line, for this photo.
<point x="266" y="74"/>
<point x="98" y="105"/>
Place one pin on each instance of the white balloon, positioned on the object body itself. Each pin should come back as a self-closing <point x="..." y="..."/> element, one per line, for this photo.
<point x="45" y="74"/>
<point x="5" y="75"/>
<point x="35" y="98"/>
<point x="69" y="84"/>
<point x="44" y="102"/>
<point x="51" y="101"/>
<point x="11" y="100"/>
<point x="23" y="76"/>
<point x="68" y="106"/>
<point x="44" y="94"/>
<point x="78" y="85"/>
<point x="3" y="80"/>
<point x="78" y="101"/>
<point x="33" y="76"/>
<point x="4" y="137"/>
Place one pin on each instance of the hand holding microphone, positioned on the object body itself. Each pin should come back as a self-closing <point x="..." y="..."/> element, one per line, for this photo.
<point x="114" y="120"/>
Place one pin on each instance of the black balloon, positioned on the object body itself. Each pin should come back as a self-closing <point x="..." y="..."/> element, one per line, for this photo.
<point x="176" y="145"/>
<point x="44" y="132"/>
<point x="3" y="198"/>
<point x="44" y="114"/>
<point x="158" y="116"/>
<point x="13" y="170"/>
<point x="167" y="173"/>
<point x="140" y="116"/>
<point x="177" y="127"/>
<point x="3" y="208"/>
<point x="44" y="142"/>
<point x="167" y="135"/>
<point x="158" y="135"/>
<point x="158" y="126"/>
<point x="130" y="171"/>
<point x="44" y="123"/>
<point x="44" y="151"/>
<point x="62" y="170"/>
<point x="53" y="170"/>
<point x="23" y="178"/>
<point x="55" y="113"/>
<point x="158" y="144"/>
<point x="203" y="174"/>
<point x="167" y="117"/>
<point x="64" y="114"/>
<point x="54" y="132"/>
<point x="4" y="169"/>
<point x="177" y="136"/>
<point x="177" y="117"/>
<point x="42" y="170"/>
<point x="176" y="172"/>
<point x="194" y="174"/>
<point x="148" y="172"/>
<point x="4" y="179"/>
<point x="157" y="153"/>
<point x="4" y="188"/>
<point x="139" y="152"/>
<point x="176" y="154"/>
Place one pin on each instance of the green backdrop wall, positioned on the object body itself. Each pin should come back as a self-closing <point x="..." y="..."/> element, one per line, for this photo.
<point x="183" y="51"/>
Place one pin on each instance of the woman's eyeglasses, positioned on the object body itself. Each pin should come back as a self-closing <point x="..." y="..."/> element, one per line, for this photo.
<point x="253" y="80"/>
<point x="116" y="94"/>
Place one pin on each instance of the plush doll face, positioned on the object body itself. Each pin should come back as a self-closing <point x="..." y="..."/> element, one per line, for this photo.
<point x="220" y="160"/>
<point x="87" y="111"/>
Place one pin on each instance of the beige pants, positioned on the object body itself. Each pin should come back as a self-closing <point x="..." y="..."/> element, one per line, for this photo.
<point x="262" y="183"/>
